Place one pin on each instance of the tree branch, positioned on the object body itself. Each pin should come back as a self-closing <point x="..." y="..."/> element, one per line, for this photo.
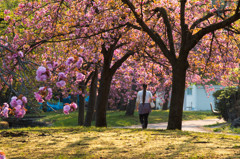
<point x="206" y="17"/>
<point x="184" y="29"/>
<point x="238" y="6"/>
<point x="155" y="36"/>
<point x="117" y="64"/>
<point x="163" y="13"/>
<point x="211" y="28"/>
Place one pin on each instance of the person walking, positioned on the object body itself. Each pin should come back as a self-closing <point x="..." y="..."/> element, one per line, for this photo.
<point x="144" y="98"/>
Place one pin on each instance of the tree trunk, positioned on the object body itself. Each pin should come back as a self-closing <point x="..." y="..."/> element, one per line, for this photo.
<point x="121" y="104"/>
<point x="102" y="99"/>
<point x="177" y="98"/>
<point x="92" y="99"/>
<point x="81" y="105"/>
<point x="166" y="98"/>
<point x="131" y="105"/>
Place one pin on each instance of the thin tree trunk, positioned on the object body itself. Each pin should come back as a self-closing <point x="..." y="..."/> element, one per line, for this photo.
<point x="131" y="105"/>
<point x="176" y="105"/>
<point x="92" y="99"/>
<point x="81" y="105"/>
<point x="166" y="98"/>
<point x="102" y="99"/>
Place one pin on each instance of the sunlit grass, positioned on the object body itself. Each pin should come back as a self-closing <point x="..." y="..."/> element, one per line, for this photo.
<point x="91" y="142"/>
<point x="118" y="118"/>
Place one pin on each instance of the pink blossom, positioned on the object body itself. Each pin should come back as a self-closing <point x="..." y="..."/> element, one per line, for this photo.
<point x="21" y="5"/>
<point x="6" y="105"/>
<point x="198" y="3"/>
<point x="20" y="112"/>
<point x="50" y="66"/>
<point x="74" y="106"/>
<point x="55" y="64"/>
<point x="61" y="76"/>
<point x="2" y="155"/>
<point x="6" y="11"/>
<point x="5" y="112"/>
<point x="16" y="37"/>
<point x="213" y="10"/>
<point x="79" y="63"/>
<point x="69" y="61"/>
<point x="13" y="102"/>
<point x="41" y="70"/>
<point x="7" y="18"/>
<point x="18" y="107"/>
<point x="61" y="83"/>
<point x="24" y="99"/>
<point x="49" y="96"/>
<point x="15" y="55"/>
<point x="20" y="54"/>
<point x="42" y="88"/>
<point x="42" y="74"/>
<point x="66" y="109"/>
<point x="19" y="102"/>
<point x="80" y="77"/>
<point x="38" y="97"/>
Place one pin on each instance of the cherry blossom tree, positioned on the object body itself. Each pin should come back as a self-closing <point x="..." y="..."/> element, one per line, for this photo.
<point x="187" y="26"/>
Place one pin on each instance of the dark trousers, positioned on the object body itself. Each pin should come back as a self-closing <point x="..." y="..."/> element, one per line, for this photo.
<point x="144" y="120"/>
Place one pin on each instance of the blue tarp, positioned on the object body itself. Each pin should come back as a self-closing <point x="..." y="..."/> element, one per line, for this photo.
<point x="67" y="100"/>
<point x="60" y="105"/>
<point x="56" y="106"/>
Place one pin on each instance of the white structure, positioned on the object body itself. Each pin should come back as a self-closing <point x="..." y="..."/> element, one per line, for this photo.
<point x="196" y="98"/>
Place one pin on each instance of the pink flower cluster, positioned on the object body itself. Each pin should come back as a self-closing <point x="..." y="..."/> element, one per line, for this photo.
<point x="80" y="77"/>
<point x="79" y="62"/>
<point x="69" y="108"/>
<point x="51" y="65"/>
<point x="43" y="74"/>
<point x="18" y="103"/>
<point x="4" y="110"/>
<point x="61" y="79"/>
<point x="2" y="155"/>
<point x="43" y="92"/>
<point x="69" y="61"/>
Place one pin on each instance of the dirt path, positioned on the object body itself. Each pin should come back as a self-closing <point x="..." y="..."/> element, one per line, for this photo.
<point x="192" y="125"/>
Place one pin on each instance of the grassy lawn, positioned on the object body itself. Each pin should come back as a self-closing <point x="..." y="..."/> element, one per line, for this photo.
<point x="65" y="140"/>
<point x="223" y="128"/>
<point x="81" y="142"/>
<point x="118" y="118"/>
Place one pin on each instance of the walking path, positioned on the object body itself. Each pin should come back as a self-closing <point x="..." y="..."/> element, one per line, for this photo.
<point x="192" y="125"/>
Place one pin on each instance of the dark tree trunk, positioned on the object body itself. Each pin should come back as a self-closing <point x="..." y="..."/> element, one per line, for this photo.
<point x="105" y="81"/>
<point x="131" y="105"/>
<point x="92" y="99"/>
<point x="81" y="105"/>
<point x="166" y="98"/>
<point x="121" y="104"/>
<point x="178" y="88"/>
<point x="102" y="99"/>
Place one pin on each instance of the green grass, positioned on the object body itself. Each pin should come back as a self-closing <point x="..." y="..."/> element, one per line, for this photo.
<point x="91" y="142"/>
<point x="118" y="118"/>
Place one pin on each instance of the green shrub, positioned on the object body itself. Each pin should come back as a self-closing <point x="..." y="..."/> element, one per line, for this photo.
<point x="224" y="100"/>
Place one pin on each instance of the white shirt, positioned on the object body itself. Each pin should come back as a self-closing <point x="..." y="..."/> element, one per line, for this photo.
<point x="148" y="97"/>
